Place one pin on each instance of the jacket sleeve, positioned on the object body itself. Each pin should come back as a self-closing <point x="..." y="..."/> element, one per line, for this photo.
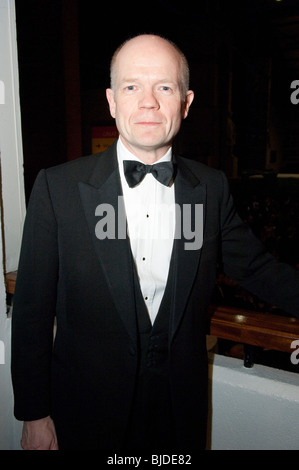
<point x="34" y="307"/>
<point x="246" y="261"/>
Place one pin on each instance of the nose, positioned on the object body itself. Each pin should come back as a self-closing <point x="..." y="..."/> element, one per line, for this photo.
<point x="148" y="100"/>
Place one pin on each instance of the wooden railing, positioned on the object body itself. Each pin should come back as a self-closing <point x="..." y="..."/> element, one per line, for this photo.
<point x="240" y="325"/>
<point x="10" y="282"/>
<point x="257" y="328"/>
<point x="253" y="329"/>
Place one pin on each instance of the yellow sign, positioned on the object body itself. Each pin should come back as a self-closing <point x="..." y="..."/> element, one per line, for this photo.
<point x="103" y="137"/>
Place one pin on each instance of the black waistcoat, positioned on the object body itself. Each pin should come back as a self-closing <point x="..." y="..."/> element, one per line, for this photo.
<point x="151" y="421"/>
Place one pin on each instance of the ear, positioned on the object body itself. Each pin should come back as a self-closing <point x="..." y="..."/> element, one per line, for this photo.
<point x="110" y="99"/>
<point x="187" y="103"/>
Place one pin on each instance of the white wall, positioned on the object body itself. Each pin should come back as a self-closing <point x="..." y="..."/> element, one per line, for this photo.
<point x="13" y="206"/>
<point x="10" y="428"/>
<point x="253" y="409"/>
<point x="13" y="198"/>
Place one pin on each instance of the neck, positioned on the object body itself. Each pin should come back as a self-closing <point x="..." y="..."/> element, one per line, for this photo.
<point x="147" y="155"/>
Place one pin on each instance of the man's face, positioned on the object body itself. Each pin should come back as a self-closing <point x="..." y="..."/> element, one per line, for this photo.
<point x="146" y="99"/>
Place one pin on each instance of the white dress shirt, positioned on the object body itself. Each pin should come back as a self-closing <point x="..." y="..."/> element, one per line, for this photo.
<point x="151" y="222"/>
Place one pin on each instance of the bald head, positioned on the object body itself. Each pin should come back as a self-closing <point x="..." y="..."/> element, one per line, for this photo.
<point x="148" y="44"/>
<point x="149" y="96"/>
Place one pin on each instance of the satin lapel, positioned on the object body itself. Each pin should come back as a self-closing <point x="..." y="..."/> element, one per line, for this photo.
<point x="103" y="206"/>
<point x="190" y="197"/>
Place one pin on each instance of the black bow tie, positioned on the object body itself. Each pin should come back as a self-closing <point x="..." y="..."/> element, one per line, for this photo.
<point x="136" y="171"/>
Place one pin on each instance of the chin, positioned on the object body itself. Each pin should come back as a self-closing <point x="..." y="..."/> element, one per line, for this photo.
<point x="150" y="143"/>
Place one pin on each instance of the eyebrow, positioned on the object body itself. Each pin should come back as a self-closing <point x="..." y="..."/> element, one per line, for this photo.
<point x="125" y="80"/>
<point x="163" y="80"/>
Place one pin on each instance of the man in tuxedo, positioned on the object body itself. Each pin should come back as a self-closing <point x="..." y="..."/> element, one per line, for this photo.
<point x="128" y="281"/>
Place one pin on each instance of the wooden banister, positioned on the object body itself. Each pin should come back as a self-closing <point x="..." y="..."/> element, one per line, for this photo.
<point x="255" y="328"/>
<point x="10" y="282"/>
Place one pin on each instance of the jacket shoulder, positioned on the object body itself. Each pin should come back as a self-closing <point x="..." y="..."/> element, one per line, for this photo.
<point x="73" y="169"/>
<point x="203" y="172"/>
<point x="81" y="169"/>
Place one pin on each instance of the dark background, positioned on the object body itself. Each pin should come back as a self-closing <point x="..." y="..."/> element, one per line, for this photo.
<point x="243" y="57"/>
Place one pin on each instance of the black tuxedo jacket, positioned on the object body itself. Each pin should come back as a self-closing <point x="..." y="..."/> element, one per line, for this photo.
<point x="86" y="381"/>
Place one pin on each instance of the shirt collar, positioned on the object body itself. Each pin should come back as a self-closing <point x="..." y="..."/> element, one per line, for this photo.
<point x="124" y="154"/>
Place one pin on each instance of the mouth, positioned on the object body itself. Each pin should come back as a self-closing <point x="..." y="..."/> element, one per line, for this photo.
<point x="148" y="123"/>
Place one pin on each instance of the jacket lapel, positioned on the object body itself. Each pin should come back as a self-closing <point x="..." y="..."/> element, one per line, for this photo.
<point x="102" y="201"/>
<point x="102" y="192"/>
<point x="190" y="198"/>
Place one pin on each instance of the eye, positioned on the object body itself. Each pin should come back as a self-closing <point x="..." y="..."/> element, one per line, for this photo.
<point x="165" y="89"/>
<point x="130" y="88"/>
